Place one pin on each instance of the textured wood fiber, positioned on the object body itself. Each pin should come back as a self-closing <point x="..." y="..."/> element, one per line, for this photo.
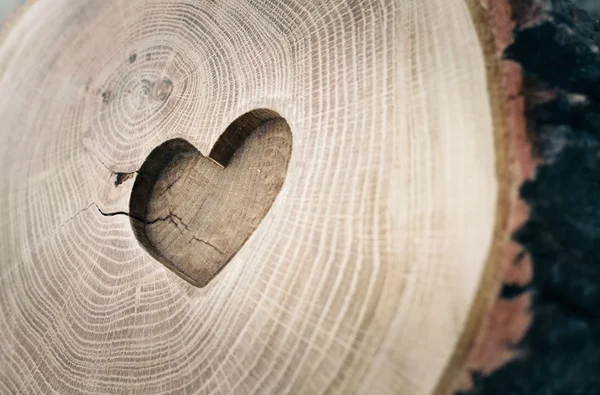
<point x="196" y="212"/>
<point x="362" y="276"/>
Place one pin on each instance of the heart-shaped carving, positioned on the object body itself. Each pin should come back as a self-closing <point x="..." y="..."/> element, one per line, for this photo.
<point x="193" y="213"/>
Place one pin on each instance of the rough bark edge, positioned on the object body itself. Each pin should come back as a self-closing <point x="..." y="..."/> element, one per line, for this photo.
<point x="552" y="80"/>
<point x="481" y="343"/>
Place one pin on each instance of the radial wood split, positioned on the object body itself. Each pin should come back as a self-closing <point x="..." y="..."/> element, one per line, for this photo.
<point x="247" y="196"/>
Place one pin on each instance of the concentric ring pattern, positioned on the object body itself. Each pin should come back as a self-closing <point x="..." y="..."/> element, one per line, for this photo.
<point x="362" y="274"/>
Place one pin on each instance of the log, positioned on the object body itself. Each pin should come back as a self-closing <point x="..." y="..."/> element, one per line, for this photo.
<point x="251" y="196"/>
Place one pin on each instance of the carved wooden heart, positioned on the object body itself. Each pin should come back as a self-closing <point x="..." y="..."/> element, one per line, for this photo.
<point x="193" y="213"/>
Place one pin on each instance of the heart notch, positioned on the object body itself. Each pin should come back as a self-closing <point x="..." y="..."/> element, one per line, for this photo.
<point x="193" y="213"/>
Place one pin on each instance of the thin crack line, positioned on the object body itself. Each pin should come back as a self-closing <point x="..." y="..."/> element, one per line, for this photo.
<point x="169" y="186"/>
<point x="76" y="214"/>
<point x="180" y="222"/>
<point x="207" y="243"/>
<point x="114" y="214"/>
<point x="121" y="176"/>
<point x="169" y="218"/>
<point x="113" y="171"/>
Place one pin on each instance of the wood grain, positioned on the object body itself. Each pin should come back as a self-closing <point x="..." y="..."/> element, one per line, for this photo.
<point x="193" y="213"/>
<point x="362" y="275"/>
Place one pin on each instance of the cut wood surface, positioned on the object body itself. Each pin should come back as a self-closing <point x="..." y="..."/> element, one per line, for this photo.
<point x="247" y="197"/>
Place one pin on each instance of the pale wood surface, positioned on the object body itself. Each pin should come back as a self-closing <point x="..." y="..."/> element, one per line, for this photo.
<point x="361" y="276"/>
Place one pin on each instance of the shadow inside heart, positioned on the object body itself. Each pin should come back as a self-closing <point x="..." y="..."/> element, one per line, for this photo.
<point x="198" y="211"/>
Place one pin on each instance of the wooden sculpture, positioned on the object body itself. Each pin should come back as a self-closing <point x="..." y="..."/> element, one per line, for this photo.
<point x="252" y="196"/>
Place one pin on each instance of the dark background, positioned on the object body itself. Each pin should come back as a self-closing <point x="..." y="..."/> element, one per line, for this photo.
<point x="557" y="44"/>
